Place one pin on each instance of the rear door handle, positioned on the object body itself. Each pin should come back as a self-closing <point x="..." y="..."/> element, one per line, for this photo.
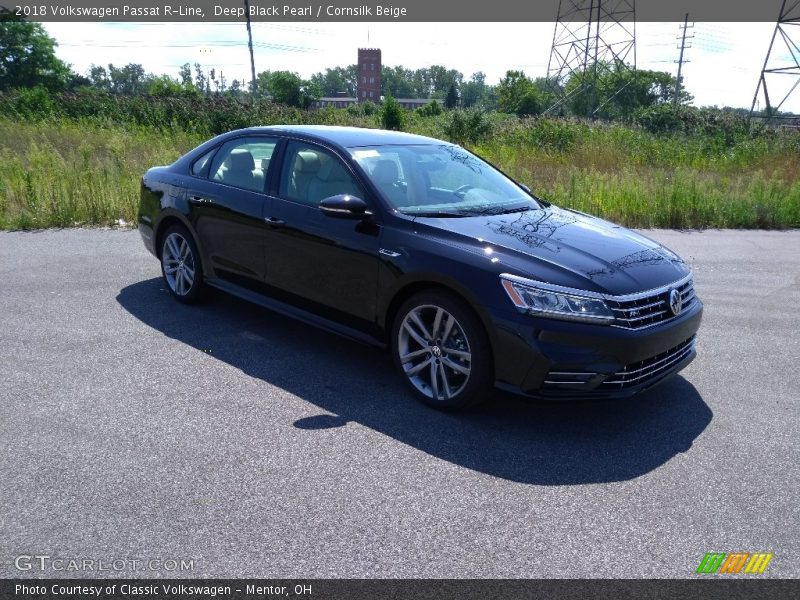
<point x="199" y="200"/>
<point x="274" y="221"/>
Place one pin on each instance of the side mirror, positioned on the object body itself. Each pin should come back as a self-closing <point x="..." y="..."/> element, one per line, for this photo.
<point x="344" y="206"/>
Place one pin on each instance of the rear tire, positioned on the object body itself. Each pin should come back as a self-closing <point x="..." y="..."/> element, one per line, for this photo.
<point x="442" y="351"/>
<point x="180" y="265"/>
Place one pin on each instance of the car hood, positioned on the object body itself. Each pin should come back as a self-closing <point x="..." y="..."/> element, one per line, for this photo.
<point x="563" y="247"/>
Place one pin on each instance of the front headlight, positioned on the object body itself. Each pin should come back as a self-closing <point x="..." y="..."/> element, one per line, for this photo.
<point x="543" y="300"/>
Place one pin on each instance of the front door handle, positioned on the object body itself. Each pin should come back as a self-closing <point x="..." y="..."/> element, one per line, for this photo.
<point x="274" y="221"/>
<point x="199" y="200"/>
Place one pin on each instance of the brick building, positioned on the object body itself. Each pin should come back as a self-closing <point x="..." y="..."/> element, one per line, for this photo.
<point x="368" y="85"/>
<point x="369" y="75"/>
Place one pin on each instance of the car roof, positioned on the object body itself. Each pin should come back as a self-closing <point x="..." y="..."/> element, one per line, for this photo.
<point x="348" y="137"/>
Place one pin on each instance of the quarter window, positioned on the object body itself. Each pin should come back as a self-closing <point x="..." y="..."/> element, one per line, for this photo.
<point x="199" y="166"/>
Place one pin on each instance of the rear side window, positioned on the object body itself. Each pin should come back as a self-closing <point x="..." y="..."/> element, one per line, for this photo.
<point x="243" y="163"/>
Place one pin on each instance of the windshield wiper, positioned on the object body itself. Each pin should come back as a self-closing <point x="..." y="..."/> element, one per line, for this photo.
<point x="439" y="213"/>
<point x="515" y="210"/>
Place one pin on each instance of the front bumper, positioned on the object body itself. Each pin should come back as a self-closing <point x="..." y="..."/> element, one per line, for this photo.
<point x="549" y="358"/>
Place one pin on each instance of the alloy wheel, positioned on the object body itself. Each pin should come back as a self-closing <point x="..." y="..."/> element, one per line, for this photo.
<point x="434" y="352"/>
<point x="179" y="264"/>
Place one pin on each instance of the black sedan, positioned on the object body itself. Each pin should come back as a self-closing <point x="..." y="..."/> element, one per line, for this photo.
<point x="417" y="245"/>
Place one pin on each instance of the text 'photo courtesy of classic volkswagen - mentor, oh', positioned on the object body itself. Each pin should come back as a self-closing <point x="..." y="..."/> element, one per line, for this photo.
<point x="417" y="245"/>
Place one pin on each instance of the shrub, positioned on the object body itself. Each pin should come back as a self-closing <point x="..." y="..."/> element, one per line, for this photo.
<point x="369" y="108"/>
<point x="431" y="109"/>
<point x="392" y="115"/>
<point x="467" y="126"/>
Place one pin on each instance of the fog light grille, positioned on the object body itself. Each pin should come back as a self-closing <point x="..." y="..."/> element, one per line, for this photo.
<point x="642" y="371"/>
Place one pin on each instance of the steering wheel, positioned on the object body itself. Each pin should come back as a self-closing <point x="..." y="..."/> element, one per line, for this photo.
<point x="462" y="190"/>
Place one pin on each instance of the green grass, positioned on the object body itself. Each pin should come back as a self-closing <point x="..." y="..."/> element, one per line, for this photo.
<point x="69" y="174"/>
<point x="60" y="171"/>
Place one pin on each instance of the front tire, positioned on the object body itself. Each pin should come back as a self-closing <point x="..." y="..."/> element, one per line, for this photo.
<point x="180" y="265"/>
<point x="442" y="351"/>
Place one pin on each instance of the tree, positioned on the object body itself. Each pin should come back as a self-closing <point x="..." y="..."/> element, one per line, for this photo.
<point x="474" y="92"/>
<point x="517" y="94"/>
<point x="451" y="99"/>
<point x="164" y="86"/>
<point x="27" y="56"/>
<point x="392" y="115"/>
<point x="98" y="78"/>
<point x="129" y="80"/>
<point x="530" y="104"/>
<point x="287" y="88"/>
<point x="200" y="79"/>
<point x="397" y="82"/>
<point x="336" y="81"/>
<point x="185" y="75"/>
<point x="620" y="91"/>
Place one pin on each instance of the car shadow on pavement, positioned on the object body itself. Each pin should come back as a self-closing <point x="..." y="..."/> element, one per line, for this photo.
<point x="542" y="443"/>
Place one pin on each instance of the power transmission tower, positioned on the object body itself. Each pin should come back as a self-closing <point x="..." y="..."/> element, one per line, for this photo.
<point x="785" y="64"/>
<point x="592" y="38"/>
<point x="678" y="81"/>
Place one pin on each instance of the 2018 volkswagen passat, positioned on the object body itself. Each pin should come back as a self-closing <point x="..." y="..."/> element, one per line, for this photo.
<point x="418" y="245"/>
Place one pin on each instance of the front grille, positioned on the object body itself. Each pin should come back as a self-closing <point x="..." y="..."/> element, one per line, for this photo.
<point x="650" y="309"/>
<point x="650" y="368"/>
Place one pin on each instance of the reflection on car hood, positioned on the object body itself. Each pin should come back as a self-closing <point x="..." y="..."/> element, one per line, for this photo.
<point x="563" y="247"/>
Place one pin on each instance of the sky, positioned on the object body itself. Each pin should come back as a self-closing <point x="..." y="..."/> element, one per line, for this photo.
<point x="723" y="68"/>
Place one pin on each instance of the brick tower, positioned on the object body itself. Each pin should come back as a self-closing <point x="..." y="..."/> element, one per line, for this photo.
<point x="369" y="74"/>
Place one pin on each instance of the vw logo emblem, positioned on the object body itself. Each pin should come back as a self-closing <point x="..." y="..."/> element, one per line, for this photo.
<point x="675" y="302"/>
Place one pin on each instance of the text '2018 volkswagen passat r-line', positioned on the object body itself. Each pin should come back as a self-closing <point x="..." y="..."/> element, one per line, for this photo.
<point x="417" y="245"/>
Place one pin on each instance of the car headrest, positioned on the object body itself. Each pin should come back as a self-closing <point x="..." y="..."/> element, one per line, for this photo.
<point x="385" y="171"/>
<point x="332" y="170"/>
<point x="241" y="160"/>
<point x="306" y="162"/>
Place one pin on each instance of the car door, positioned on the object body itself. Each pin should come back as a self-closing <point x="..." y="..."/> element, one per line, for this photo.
<point x="228" y="206"/>
<point x="329" y="261"/>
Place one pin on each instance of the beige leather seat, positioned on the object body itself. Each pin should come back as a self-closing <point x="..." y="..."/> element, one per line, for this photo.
<point x="332" y="179"/>
<point x="385" y="174"/>
<point x="306" y="167"/>
<point x="241" y="171"/>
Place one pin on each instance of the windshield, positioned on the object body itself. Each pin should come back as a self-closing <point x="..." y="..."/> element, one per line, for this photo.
<point x="440" y="181"/>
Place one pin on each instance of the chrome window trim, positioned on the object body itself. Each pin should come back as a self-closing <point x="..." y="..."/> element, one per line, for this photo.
<point x="596" y="295"/>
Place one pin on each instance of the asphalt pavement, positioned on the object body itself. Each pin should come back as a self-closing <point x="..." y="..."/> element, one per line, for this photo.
<point x="246" y="444"/>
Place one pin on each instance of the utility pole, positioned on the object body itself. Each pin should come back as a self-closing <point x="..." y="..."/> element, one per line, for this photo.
<point x="250" y="45"/>
<point x="205" y="55"/>
<point x="676" y="100"/>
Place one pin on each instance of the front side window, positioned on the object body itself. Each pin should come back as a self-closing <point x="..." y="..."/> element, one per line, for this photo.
<point x="311" y="174"/>
<point x="440" y="180"/>
<point x="243" y="163"/>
